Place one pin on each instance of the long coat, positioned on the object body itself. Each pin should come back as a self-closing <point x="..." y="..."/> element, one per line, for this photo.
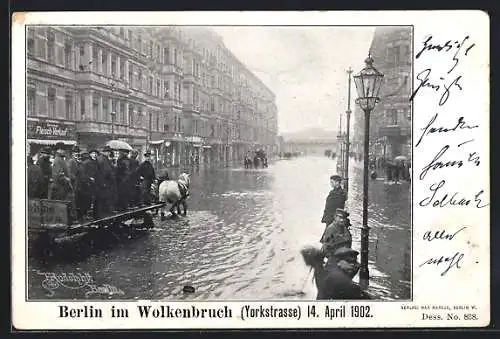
<point x="61" y="181"/>
<point x="35" y="181"/>
<point x="46" y="168"/>
<point x="105" y="186"/>
<point x="335" y="199"/>
<point x="72" y="164"/>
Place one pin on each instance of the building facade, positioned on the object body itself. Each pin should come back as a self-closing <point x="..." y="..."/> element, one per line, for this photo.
<point x="390" y="121"/>
<point x="175" y="90"/>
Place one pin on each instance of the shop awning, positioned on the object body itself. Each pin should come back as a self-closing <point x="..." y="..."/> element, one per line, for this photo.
<point x="157" y="142"/>
<point x="51" y="142"/>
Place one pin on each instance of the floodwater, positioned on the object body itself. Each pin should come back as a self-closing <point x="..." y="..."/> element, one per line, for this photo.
<point x="241" y="240"/>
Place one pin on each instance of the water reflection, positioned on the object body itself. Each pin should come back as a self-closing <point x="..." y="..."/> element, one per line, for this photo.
<point x="242" y="236"/>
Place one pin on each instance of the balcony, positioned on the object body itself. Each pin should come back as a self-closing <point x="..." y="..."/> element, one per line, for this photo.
<point x="108" y="36"/>
<point x="172" y="69"/>
<point x="191" y="108"/>
<point x="45" y="67"/>
<point x="118" y="85"/>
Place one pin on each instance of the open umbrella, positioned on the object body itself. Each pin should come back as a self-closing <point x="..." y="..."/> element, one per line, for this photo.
<point x="119" y="145"/>
<point x="400" y="158"/>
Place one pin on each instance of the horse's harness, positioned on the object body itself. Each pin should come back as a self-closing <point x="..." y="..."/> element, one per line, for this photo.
<point x="183" y="188"/>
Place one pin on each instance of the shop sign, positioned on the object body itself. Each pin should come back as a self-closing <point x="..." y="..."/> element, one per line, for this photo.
<point x="50" y="130"/>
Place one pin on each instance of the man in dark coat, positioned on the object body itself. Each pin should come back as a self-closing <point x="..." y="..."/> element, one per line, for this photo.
<point x="35" y="179"/>
<point x="133" y="179"/>
<point x="147" y="175"/>
<point x="86" y="184"/>
<point x="46" y="168"/>
<point x="73" y="162"/>
<point x="61" y="183"/>
<point x="106" y="184"/>
<point x="122" y="174"/>
<point x="335" y="199"/>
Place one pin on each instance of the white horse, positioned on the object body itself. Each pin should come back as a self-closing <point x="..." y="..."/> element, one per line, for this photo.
<point x="175" y="193"/>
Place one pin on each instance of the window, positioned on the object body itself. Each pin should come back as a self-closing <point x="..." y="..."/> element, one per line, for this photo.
<point x="139" y="116"/>
<point x="94" y="59"/>
<point x="123" y="114"/>
<point x="175" y="56"/>
<point x="129" y="35"/>
<point x="82" y="107"/>
<point x="104" y="61"/>
<point x="69" y="106"/>
<point x="113" y="66"/>
<point x="30" y="45"/>
<point x="212" y="131"/>
<point x="166" y="90"/>
<point x="139" y="79"/>
<point x="158" y="85"/>
<point x="165" y="128"/>
<point x="122" y="32"/>
<point x="67" y="55"/>
<point x="151" y="48"/>
<point x="150" y="86"/>
<point x="51" y="41"/>
<point x="157" y="127"/>
<point x="166" y="56"/>
<point x="31" y="99"/>
<point x="393" y="116"/>
<point x="105" y="109"/>
<point x="139" y="43"/>
<point x="95" y="107"/>
<point x="52" y="102"/>
<point x="158" y="52"/>
<point x="130" y="114"/>
<point x="122" y="68"/>
<point x="131" y="76"/>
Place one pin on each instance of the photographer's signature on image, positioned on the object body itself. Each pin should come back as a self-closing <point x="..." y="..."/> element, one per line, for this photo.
<point x="76" y="281"/>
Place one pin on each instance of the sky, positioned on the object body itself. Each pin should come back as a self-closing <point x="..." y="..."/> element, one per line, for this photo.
<point x="305" y="67"/>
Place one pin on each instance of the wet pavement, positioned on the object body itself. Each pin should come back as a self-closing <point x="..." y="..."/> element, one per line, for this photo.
<point x="241" y="241"/>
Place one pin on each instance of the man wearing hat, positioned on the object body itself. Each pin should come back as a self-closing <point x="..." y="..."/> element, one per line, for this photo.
<point x="46" y="167"/>
<point x="337" y="234"/>
<point x="133" y="179"/>
<point x="86" y="176"/>
<point x="35" y="178"/>
<point x="335" y="199"/>
<point x="73" y="162"/>
<point x="106" y="183"/>
<point x="61" y="183"/>
<point x="147" y="175"/>
<point x="122" y="173"/>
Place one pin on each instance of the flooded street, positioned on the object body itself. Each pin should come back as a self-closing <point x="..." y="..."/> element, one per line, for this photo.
<point x="242" y="236"/>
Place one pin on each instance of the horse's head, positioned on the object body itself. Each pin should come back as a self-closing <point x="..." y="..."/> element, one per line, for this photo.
<point x="184" y="177"/>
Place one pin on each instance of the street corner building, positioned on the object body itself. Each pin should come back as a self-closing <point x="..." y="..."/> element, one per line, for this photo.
<point x="390" y="122"/>
<point x="177" y="91"/>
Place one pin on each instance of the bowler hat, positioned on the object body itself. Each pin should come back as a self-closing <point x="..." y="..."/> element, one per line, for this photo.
<point x="148" y="153"/>
<point x="345" y="251"/>
<point x="46" y="150"/>
<point x="106" y="148"/>
<point x="336" y="177"/>
<point x="92" y="149"/>
<point x="59" y="145"/>
<point x="342" y="213"/>
<point x="75" y="149"/>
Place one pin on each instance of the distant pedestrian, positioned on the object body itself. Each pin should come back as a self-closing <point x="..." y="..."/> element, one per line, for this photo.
<point x="335" y="200"/>
<point x="61" y="182"/>
<point x="35" y="179"/>
<point x="147" y="175"/>
<point x="133" y="184"/>
<point x="106" y="183"/>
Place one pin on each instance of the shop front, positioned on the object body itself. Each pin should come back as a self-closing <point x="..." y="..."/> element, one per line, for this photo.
<point x="41" y="133"/>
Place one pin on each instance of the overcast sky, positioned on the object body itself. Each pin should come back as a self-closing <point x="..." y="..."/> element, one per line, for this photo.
<point x="304" y="66"/>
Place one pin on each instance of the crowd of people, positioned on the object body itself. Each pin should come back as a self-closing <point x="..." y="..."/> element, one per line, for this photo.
<point x="395" y="170"/>
<point x="95" y="182"/>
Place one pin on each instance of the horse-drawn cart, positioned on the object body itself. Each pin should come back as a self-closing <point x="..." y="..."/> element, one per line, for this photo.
<point x="50" y="221"/>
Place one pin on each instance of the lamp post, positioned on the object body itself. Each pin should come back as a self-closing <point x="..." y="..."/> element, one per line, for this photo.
<point x="368" y="82"/>
<point x="348" y="115"/>
<point x="113" y="115"/>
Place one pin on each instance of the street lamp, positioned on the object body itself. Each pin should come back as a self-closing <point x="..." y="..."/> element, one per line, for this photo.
<point x="368" y="82"/>
<point x="348" y="114"/>
<point x="113" y="114"/>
